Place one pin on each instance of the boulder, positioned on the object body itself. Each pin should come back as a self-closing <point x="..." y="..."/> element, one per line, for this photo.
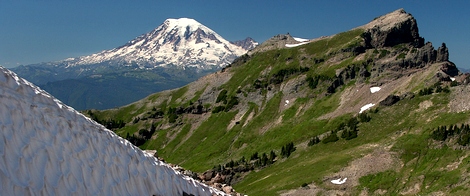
<point x="218" y="179"/>
<point x="190" y="174"/>
<point x="227" y="189"/>
<point x="206" y="176"/>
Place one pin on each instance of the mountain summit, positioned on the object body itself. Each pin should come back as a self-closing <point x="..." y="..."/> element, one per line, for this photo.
<point x="182" y="42"/>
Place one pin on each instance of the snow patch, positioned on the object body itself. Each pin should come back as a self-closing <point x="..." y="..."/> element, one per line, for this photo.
<point x="286" y="102"/>
<point x="339" y="181"/>
<point x="453" y="79"/>
<point x="374" y="89"/>
<point x="366" y="107"/>
<point x="301" y="39"/>
<point x="295" y="45"/>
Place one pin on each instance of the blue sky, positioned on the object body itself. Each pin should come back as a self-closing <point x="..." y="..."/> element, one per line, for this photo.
<point x="33" y="31"/>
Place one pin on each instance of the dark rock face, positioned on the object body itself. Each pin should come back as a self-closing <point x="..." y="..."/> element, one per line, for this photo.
<point x="425" y="54"/>
<point x="405" y="31"/>
<point x="442" y="53"/>
<point x="390" y="100"/>
<point x="450" y="69"/>
<point x="419" y="58"/>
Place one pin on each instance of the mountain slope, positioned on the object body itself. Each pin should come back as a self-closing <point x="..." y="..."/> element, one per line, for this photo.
<point x="299" y="117"/>
<point x="48" y="148"/>
<point x="177" y="52"/>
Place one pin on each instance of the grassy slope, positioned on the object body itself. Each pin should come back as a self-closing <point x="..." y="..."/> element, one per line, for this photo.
<point x="418" y="153"/>
<point x="402" y="126"/>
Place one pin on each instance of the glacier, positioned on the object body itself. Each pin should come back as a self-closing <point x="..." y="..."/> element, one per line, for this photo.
<point x="48" y="148"/>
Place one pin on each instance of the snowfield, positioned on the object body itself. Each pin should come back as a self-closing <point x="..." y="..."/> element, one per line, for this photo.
<point x="48" y="148"/>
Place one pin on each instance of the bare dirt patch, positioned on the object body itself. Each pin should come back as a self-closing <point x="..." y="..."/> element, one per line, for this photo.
<point x="379" y="160"/>
<point x="459" y="99"/>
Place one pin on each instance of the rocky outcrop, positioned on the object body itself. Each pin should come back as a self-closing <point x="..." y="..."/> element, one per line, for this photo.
<point x="219" y="180"/>
<point x="392" y="29"/>
<point x="278" y="41"/>
<point x="390" y="100"/>
<point x="442" y="53"/>
<point x="450" y="69"/>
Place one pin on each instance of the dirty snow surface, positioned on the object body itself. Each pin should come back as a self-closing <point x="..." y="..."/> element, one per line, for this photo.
<point x="48" y="148"/>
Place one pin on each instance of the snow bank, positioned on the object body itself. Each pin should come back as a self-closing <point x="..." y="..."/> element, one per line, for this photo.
<point x="301" y="39"/>
<point x="374" y="89"/>
<point x="339" y="181"/>
<point x="48" y="148"/>
<point x="366" y="107"/>
<point x="295" y="45"/>
<point x="286" y="102"/>
<point x="453" y="79"/>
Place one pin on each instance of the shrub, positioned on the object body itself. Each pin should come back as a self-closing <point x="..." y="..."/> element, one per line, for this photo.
<point x="254" y="156"/>
<point x="218" y="109"/>
<point x="348" y="135"/>
<point x="330" y="138"/>
<point x="172" y="118"/>
<point x="364" y="117"/>
<point x="383" y="53"/>
<point x="454" y="83"/>
<point x="425" y="91"/>
<point x="232" y="102"/>
<point x="313" y="141"/>
<point x="401" y="56"/>
<point x="287" y="150"/>
<point x="222" y="96"/>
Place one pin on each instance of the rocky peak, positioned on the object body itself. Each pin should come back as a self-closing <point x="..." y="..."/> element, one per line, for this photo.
<point x="391" y="29"/>
<point x="247" y="44"/>
<point x="442" y="53"/>
<point x="278" y="41"/>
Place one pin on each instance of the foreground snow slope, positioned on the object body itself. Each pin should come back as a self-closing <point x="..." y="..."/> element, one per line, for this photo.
<point x="48" y="148"/>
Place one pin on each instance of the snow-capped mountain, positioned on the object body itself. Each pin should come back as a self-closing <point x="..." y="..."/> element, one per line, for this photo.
<point x="180" y="42"/>
<point x="48" y="148"/>
<point x="177" y="52"/>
